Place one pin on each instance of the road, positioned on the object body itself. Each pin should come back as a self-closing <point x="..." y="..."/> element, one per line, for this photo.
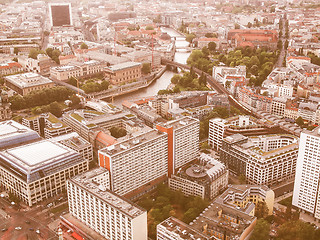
<point x="30" y="220"/>
<point x="283" y="51"/>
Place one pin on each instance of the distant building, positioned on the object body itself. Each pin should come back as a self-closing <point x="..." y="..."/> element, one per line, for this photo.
<point x="27" y="82"/>
<point x="107" y="213"/>
<point x="10" y="68"/>
<point x="39" y="170"/>
<point x="123" y="73"/>
<point x="60" y="14"/>
<point x="205" y="178"/>
<point x="41" y="65"/>
<point x="229" y="74"/>
<point x="204" y="42"/>
<point x="76" y="70"/>
<point x="144" y="57"/>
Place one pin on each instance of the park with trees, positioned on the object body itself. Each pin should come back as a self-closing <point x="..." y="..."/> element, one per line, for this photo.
<point x="163" y="203"/>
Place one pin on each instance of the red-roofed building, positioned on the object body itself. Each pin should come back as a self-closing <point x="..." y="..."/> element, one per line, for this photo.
<point x="253" y="38"/>
<point x="10" y="68"/>
<point x="204" y="42"/>
<point x="67" y="59"/>
<point x="103" y="140"/>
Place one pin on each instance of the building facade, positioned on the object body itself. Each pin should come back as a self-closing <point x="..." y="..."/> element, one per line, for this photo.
<point x="110" y="215"/>
<point x="36" y="171"/>
<point x="123" y="73"/>
<point x="306" y="186"/>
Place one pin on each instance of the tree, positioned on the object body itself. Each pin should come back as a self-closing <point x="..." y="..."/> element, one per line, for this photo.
<point x="261" y="210"/>
<point x="104" y="85"/>
<point x="261" y="230"/>
<point x="72" y="81"/>
<point x="157" y="19"/>
<point x="83" y="46"/>
<point x="15" y="59"/>
<point x="300" y="121"/>
<point x="279" y="44"/>
<point x="55" y="56"/>
<point x="210" y="35"/>
<point x="149" y="28"/>
<point x="175" y="79"/>
<point x="190" y="37"/>
<point x="286" y="44"/>
<point x="49" y="52"/>
<point x="55" y="109"/>
<point x="16" y="51"/>
<point x="249" y="25"/>
<point x="236" y="26"/>
<point x="297" y="230"/>
<point x="75" y="101"/>
<point x="212" y="46"/>
<point x="118" y="132"/>
<point x="33" y="53"/>
<point x="146" y="68"/>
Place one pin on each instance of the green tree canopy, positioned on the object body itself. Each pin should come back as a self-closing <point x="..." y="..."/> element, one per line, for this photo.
<point x="261" y="230"/>
<point x="83" y="46"/>
<point x="146" y="68"/>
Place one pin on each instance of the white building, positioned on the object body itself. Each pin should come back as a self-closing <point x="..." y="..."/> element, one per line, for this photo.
<point x="216" y="132"/>
<point x="306" y="187"/>
<point x="136" y="162"/>
<point x="206" y="178"/>
<point x="105" y="212"/>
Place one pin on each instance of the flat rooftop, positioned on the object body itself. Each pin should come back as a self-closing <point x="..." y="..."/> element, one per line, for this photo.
<point x="132" y="142"/>
<point x="25" y="80"/>
<point x="213" y="218"/>
<point x="122" y="66"/>
<point x="182" y="229"/>
<point x="85" y="181"/>
<point x="12" y="133"/>
<point x="181" y="122"/>
<point x="37" y="154"/>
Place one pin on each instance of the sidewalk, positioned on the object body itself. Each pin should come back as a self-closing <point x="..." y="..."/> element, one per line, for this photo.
<point x="307" y="218"/>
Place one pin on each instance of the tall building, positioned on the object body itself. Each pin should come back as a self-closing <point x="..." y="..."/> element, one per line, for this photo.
<point x="105" y="212"/>
<point x="306" y="193"/>
<point x="137" y="163"/>
<point x="60" y="14"/>
<point x="183" y="142"/>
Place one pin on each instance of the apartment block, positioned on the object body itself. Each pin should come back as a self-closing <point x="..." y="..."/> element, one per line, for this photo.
<point x="136" y="164"/>
<point x="306" y="191"/>
<point x="183" y="142"/>
<point x="104" y="211"/>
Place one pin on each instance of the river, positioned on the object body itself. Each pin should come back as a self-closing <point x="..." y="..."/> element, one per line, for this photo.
<point x="180" y="56"/>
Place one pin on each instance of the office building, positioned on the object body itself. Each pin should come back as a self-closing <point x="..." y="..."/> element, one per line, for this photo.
<point x="264" y="160"/>
<point x="38" y="170"/>
<point x="60" y="14"/>
<point x="205" y="177"/>
<point x="107" y="213"/>
<point x="47" y="125"/>
<point x="13" y="133"/>
<point x="25" y="83"/>
<point x="306" y="186"/>
<point x="242" y="195"/>
<point x="137" y="164"/>
<point x="75" y="142"/>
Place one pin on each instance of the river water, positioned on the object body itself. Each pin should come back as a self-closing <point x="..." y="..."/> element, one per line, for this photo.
<point x="180" y="56"/>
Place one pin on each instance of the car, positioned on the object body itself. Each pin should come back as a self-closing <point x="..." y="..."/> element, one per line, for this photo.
<point x="27" y="222"/>
<point x="38" y="231"/>
<point x="18" y="228"/>
<point x="31" y="229"/>
<point x="4" y="229"/>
